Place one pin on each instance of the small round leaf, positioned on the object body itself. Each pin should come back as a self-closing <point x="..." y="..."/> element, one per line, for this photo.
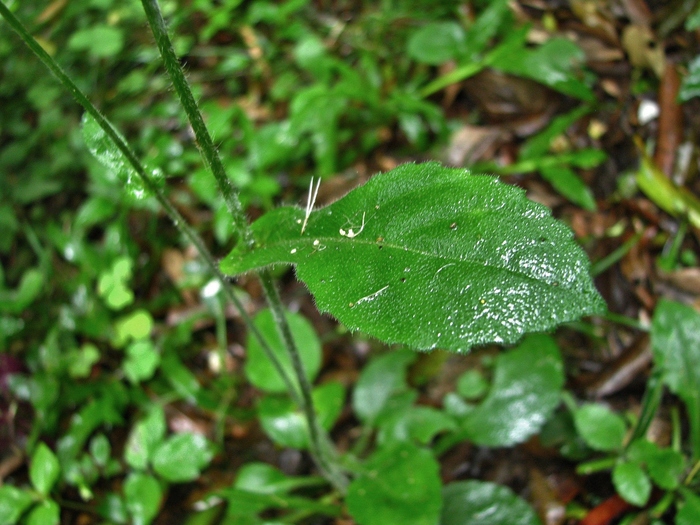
<point x="600" y="428"/>
<point x="631" y="483"/>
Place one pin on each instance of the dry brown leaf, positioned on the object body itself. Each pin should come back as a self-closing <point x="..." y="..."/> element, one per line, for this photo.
<point x="472" y="143"/>
<point x="642" y="48"/>
<point x="686" y="279"/>
<point x="549" y="508"/>
<point x="619" y="373"/>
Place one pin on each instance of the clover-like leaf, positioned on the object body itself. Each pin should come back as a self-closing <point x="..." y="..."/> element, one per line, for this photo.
<point x="431" y="257"/>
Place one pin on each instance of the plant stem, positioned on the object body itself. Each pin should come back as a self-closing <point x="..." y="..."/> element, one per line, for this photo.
<point x="169" y="209"/>
<point x="320" y="444"/>
<point x="650" y="404"/>
<point x="204" y="140"/>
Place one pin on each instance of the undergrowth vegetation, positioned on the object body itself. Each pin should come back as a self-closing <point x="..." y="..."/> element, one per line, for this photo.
<point x="143" y="379"/>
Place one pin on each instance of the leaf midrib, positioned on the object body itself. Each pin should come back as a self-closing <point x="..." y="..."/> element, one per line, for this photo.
<point x="308" y="242"/>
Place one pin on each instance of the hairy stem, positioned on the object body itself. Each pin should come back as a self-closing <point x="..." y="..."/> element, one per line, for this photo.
<point x="201" y="133"/>
<point x="169" y="209"/>
<point x="320" y="444"/>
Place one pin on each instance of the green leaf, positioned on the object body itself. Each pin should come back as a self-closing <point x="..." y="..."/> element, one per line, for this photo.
<point x="29" y="288"/>
<point x="540" y="144"/>
<point x="570" y="185"/>
<point x="141" y="361"/>
<point x="484" y="503"/>
<point x="181" y="457"/>
<point x="665" y="466"/>
<point x="243" y="506"/>
<point x="398" y="484"/>
<point x="81" y="360"/>
<point x="316" y="110"/>
<point x="599" y="427"/>
<point x="436" y="43"/>
<point x="112" y="284"/>
<point x="100" y="449"/>
<point x="13" y="503"/>
<point x="665" y="194"/>
<point x="485" y="27"/>
<point x="631" y="483"/>
<point x="100" y="41"/>
<point x="143" y="496"/>
<point x="45" y="513"/>
<point x="113" y="508"/>
<point x="44" y="469"/>
<point x="431" y="257"/>
<point x="552" y="64"/>
<point x="383" y="377"/>
<point x="586" y="158"/>
<point x="144" y="438"/>
<point x="286" y="426"/>
<point x="104" y="150"/>
<point x="97" y="209"/>
<point x="690" y="86"/>
<point x="526" y="389"/>
<point x="262" y="478"/>
<point x="106" y="409"/>
<point x="472" y="385"/>
<point x="420" y="424"/>
<point x="183" y="381"/>
<point x="259" y="369"/>
<point x="675" y="341"/>
<point x="9" y="225"/>
<point x="136" y="325"/>
<point x="689" y="512"/>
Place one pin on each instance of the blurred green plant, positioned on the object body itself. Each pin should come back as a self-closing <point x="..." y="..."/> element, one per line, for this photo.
<point x="102" y="345"/>
<point x="646" y="475"/>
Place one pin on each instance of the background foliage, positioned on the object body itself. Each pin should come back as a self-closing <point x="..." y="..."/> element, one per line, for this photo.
<point x="129" y="391"/>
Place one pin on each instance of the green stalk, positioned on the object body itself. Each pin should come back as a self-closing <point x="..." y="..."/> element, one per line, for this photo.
<point x="320" y="444"/>
<point x="650" y="404"/>
<point x="201" y="133"/>
<point x="170" y="210"/>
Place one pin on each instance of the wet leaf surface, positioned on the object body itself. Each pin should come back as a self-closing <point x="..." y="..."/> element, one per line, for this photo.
<point x="441" y="258"/>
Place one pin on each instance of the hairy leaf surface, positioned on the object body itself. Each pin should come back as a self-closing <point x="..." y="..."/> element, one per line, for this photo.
<point x="431" y="257"/>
